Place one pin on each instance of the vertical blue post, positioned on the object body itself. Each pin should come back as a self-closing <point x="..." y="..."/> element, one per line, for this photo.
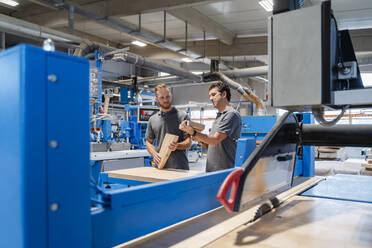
<point x="132" y="93"/>
<point x="45" y="204"/>
<point x="106" y="130"/>
<point x="124" y="95"/>
<point x="308" y="151"/>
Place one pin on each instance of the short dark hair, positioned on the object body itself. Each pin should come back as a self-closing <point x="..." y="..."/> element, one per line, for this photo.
<point x="221" y="87"/>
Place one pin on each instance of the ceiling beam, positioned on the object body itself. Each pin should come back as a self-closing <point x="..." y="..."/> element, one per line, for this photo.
<point x="179" y="8"/>
<point x="93" y="38"/>
<point x="198" y="20"/>
<point x="115" y="8"/>
<point x="252" y="46"/>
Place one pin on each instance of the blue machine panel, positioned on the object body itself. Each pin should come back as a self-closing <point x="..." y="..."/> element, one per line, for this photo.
<point x="343" y="187"/>
<point x="244" y="149"/>
<point x="137" y="211"/>
<point x="257" y="126"/>
<point x="21" y="130"/>
<point x="45" y="149"/>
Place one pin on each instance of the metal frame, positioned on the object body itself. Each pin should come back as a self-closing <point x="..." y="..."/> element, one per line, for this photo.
<point x="140" y="210"/>
<point x="48" y="204"/>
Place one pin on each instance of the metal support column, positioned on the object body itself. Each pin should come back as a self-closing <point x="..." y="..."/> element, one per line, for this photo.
<point x="71" y="11"/>
<point x="2" y="41"/>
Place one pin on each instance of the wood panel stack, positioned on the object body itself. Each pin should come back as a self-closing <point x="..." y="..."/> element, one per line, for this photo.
<point x="330" y="153"/>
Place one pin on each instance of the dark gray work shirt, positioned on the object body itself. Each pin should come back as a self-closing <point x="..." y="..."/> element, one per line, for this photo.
<point x="222" y="156"/>
<point x="168" y="122"/>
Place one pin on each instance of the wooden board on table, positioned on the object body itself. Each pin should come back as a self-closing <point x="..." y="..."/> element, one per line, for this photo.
<point x="164" y="150"/>
<point x="151" y="174"/>
<point x="197" y="126"/>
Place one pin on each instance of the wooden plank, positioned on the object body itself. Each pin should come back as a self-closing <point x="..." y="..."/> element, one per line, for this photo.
<point x="151" y="174"/>
<point x="164" y="150"/>
<point x="368" y="166"/>
<point x="197" y="126"/>
<point x="306" y="222"/>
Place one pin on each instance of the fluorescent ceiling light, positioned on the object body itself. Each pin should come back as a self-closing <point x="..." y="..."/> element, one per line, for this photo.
<point x="187" y="60"/>
<point x="137" y="43"/>
<point x="9" y="2"/>
<point x="267" y="5"/>
<point x="163" y="74"/>
<point x="366" y="79"/>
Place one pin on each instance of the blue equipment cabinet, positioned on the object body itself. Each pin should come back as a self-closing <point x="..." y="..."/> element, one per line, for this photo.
<point x="45" y="152"/>
<point x="256" y="128"/>
<point x="244" y="149"/>
<point x="45" y="164"/>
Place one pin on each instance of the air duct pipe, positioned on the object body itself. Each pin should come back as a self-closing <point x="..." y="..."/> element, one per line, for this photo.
<point x="155" y="65"/>
<point x="246" y="92"/>
<point x="19" y="27"/>
<point x="247" y="72"/>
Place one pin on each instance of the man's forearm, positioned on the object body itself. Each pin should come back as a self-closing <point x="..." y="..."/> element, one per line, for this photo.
<point x="184" y="144"/>
<point x="151" y="148"/>
<point x="204" y="145"/>
<point x="207" y="139"/>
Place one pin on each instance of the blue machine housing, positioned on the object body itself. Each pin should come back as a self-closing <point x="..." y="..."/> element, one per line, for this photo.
<point x="47" y="168"/>
<point x="255" y="128"/>
<point x="47" y="201"/>
<point x="45" y="149"/>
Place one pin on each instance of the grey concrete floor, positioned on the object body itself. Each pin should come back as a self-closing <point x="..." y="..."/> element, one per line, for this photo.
<point x="322" y="167"/>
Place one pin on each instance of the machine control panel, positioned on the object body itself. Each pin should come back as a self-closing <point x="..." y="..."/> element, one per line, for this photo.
<point x="145" y="112"/>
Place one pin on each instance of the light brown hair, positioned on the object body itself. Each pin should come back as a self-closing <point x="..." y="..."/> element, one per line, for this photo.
<point x="161" y="86"/>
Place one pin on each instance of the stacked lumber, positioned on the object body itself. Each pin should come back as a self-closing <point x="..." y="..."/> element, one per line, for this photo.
<point x="330" y="153"/>
<point x="368" y="164"/>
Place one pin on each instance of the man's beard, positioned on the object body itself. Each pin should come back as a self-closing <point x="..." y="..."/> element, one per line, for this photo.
<point x="166" y="106"/>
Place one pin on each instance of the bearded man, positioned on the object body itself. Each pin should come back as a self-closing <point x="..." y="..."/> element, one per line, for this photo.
<point x="167" y="120"/>
<point x="223" y="138"/>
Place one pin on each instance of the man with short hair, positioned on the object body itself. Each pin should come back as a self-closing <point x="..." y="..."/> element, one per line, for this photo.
<point x="167" y="120"/>
<point x="225" y="132"/>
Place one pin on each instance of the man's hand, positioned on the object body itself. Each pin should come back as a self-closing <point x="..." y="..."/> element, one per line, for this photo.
<point x="157" y="158"/>
<point x="173" y="146"/>
<point x="185" y="126"/>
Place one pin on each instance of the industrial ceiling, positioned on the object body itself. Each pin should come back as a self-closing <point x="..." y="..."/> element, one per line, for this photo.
<point x="234" y="31"/>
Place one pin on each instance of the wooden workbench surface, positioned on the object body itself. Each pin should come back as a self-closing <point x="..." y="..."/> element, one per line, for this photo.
<point x="306" y="222"/>
<point x="151" y="174"/>
<point x="299" y="222"/>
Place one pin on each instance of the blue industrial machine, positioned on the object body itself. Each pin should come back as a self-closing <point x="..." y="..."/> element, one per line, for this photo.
<point x="46" y="163"/>
<point x="254" y="130"/>
<point x="130" y="128"/>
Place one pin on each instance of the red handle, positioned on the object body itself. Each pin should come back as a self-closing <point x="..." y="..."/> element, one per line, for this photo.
<point x="232" y="180"/>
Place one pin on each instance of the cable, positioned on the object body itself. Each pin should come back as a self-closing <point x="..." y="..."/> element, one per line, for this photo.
<point x="318" y="115"/>
<point x="340" y="58"/>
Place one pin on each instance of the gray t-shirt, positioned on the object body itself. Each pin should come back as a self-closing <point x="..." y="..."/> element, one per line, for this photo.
<point x="222" y="156"/>
<point x="168" y="122"/>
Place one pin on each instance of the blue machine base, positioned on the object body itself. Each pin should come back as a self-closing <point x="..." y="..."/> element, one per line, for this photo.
<point x="343" y="187"/>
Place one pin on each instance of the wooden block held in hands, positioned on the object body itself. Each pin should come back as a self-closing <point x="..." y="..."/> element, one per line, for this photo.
<point x="197" y="126"/>
<point x="164" y="150"/>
